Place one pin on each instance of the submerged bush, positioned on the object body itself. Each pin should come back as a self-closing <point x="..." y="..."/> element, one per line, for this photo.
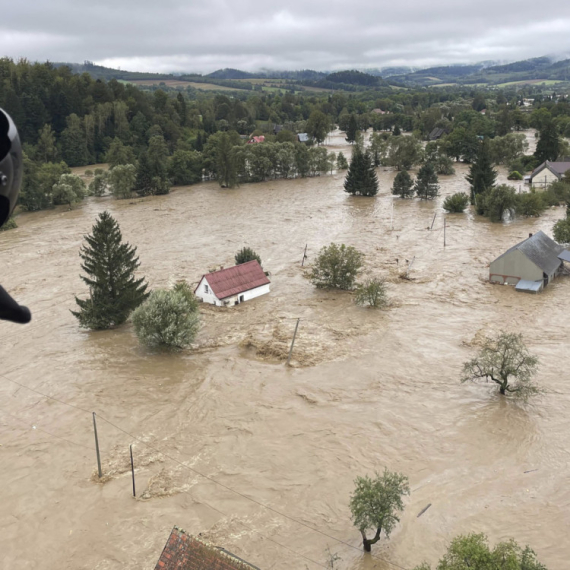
<point x="336" y="267"/>
<point x="167" y="319"/>
<point x="371" y="293"/>
<point x="456" y="203"/>
<point x="9" y="225"/>
<point x="531" y="204"/>
<point x="246" y="254"/>
<point x="514" y="175"/>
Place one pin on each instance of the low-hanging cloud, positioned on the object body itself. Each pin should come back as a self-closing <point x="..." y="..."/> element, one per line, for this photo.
<point x="177" y="35"/>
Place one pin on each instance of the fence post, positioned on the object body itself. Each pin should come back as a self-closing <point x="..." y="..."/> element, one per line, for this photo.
<point x="97" y="447"/>
<point x="133" y="470"/>
<point x="293" y="342"/>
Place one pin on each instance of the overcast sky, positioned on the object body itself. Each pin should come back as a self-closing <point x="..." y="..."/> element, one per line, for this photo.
<point x="205" y="35"/>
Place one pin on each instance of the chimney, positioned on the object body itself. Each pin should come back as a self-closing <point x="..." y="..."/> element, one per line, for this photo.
<point x="529" y="235"/>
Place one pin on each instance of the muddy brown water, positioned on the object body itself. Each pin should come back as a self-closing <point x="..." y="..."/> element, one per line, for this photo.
<point x="367" y="389"/>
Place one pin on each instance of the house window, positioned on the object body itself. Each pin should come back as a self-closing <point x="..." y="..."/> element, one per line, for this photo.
<point x="206" y="290"/>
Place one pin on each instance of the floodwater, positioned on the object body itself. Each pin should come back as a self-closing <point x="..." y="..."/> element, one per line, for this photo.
<point x="367" y="389"/>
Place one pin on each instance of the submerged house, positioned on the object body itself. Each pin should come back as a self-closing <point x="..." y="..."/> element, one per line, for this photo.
<point x="530" y="265"/>
<point x="186" y="552"/>
<point x="233" y="285"/>
<point x="549" y="172"/>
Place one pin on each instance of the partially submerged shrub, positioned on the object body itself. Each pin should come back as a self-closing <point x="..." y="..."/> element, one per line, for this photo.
<point x="514" y="175"/>
<point x="167" y="319"/>
<point x="246" y="254"/>
<point x="336" y="267"/>
<point x="9" y="225"/>
<point x="456" y="203"/>
<point x="371" y="293"/>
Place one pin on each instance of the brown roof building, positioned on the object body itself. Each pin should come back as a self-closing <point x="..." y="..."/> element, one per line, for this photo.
<point x="186" y="552"/>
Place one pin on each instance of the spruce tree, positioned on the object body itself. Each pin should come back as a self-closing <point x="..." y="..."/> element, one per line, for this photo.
<point x="481" y="175"/>
<point x="352" y="129"/>
<point x="361" y="177"/>
<point x="548" y="146"/>
<point x="426" y="185"/>
<point x="403" y="185"/>
<point x="396" y="132"/>
<point x="110" y="265"/>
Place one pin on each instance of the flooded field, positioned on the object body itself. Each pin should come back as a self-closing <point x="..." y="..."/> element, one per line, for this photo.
<point x="367" y="389"/>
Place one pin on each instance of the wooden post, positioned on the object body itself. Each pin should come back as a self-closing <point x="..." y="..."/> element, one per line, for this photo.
<point x="293" y="342"/>
<point x="432" y="222"/>
<point x="97" y="447"/>
<point x="304" y="256"/>
<point x="133" y="470"/>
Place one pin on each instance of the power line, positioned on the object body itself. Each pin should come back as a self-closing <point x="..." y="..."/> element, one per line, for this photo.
<point x="212" y="480"/>
<point x="35" y="427"/>
<point x="45" y="395"/>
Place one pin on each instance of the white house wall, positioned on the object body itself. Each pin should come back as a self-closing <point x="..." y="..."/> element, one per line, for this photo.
<point x="207" y="297"/>
<point x="247" y="295"/>
<point x="543" y="179"/>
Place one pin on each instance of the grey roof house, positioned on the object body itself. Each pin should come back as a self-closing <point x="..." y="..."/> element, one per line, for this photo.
<point x="549" y="172"/>
<point x="530" y="265"/>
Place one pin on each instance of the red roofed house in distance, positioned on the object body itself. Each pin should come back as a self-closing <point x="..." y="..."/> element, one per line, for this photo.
<point x="233" y="285"/>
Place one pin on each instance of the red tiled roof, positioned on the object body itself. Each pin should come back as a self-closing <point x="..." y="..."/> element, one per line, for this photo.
<point x="185" y="552"/>
<point x="235" y="280"/>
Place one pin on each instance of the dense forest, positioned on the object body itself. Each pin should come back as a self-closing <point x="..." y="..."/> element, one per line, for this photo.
<point x="177" y="136"/>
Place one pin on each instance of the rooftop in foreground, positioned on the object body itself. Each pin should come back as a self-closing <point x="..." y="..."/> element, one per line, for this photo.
<point x="186" y="552"/>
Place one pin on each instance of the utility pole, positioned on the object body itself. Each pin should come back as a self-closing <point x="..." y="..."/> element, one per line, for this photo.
<point x="444" y="226"/>
<point x="97" y="447"/>
<point x="293" y="342"/>
<point x="304" y="255"/>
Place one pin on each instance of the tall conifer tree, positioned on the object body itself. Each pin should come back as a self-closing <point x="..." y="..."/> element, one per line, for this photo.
<point x="482" y="176"/>
<point x="426" y="185"/>
<point x="110" y="265"/>
<point x="361" y="177"/>
<point x="352" y="129"/>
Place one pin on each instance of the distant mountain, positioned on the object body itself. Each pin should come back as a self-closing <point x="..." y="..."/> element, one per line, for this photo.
<point x="353" y="77"/>
<point x="229" y="73"/>
<point x="535" y="69"/>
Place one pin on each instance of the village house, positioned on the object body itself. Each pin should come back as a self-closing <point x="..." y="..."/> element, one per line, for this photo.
<point x="256" y="139"/>
<point x="186" y="552"/>
<point x="234" y="285"/>
<point x="436" y="133"/>
<point x="530" y="265"/>
<point x="303" y="138"/>
<point x="549" y="172"/>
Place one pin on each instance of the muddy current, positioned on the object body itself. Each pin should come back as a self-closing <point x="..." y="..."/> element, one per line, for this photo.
<point x="366" y="390"/>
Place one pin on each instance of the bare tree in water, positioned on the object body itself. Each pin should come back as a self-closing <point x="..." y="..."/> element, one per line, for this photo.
<point x="506" y="361"/>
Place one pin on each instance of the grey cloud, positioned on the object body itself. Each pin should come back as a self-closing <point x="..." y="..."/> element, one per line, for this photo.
<point x="174" y="35"/>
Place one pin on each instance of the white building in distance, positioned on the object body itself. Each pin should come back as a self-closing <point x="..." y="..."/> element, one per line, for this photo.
<point x="233" y="285"/>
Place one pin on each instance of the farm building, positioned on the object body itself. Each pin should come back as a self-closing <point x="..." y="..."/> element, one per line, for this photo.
<point x="303" y="137"/>
<point x="549" y="172"/>
<point x="185" y="552"/>
<point x="530" y="265"/>
<point x="233" y="285"/>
